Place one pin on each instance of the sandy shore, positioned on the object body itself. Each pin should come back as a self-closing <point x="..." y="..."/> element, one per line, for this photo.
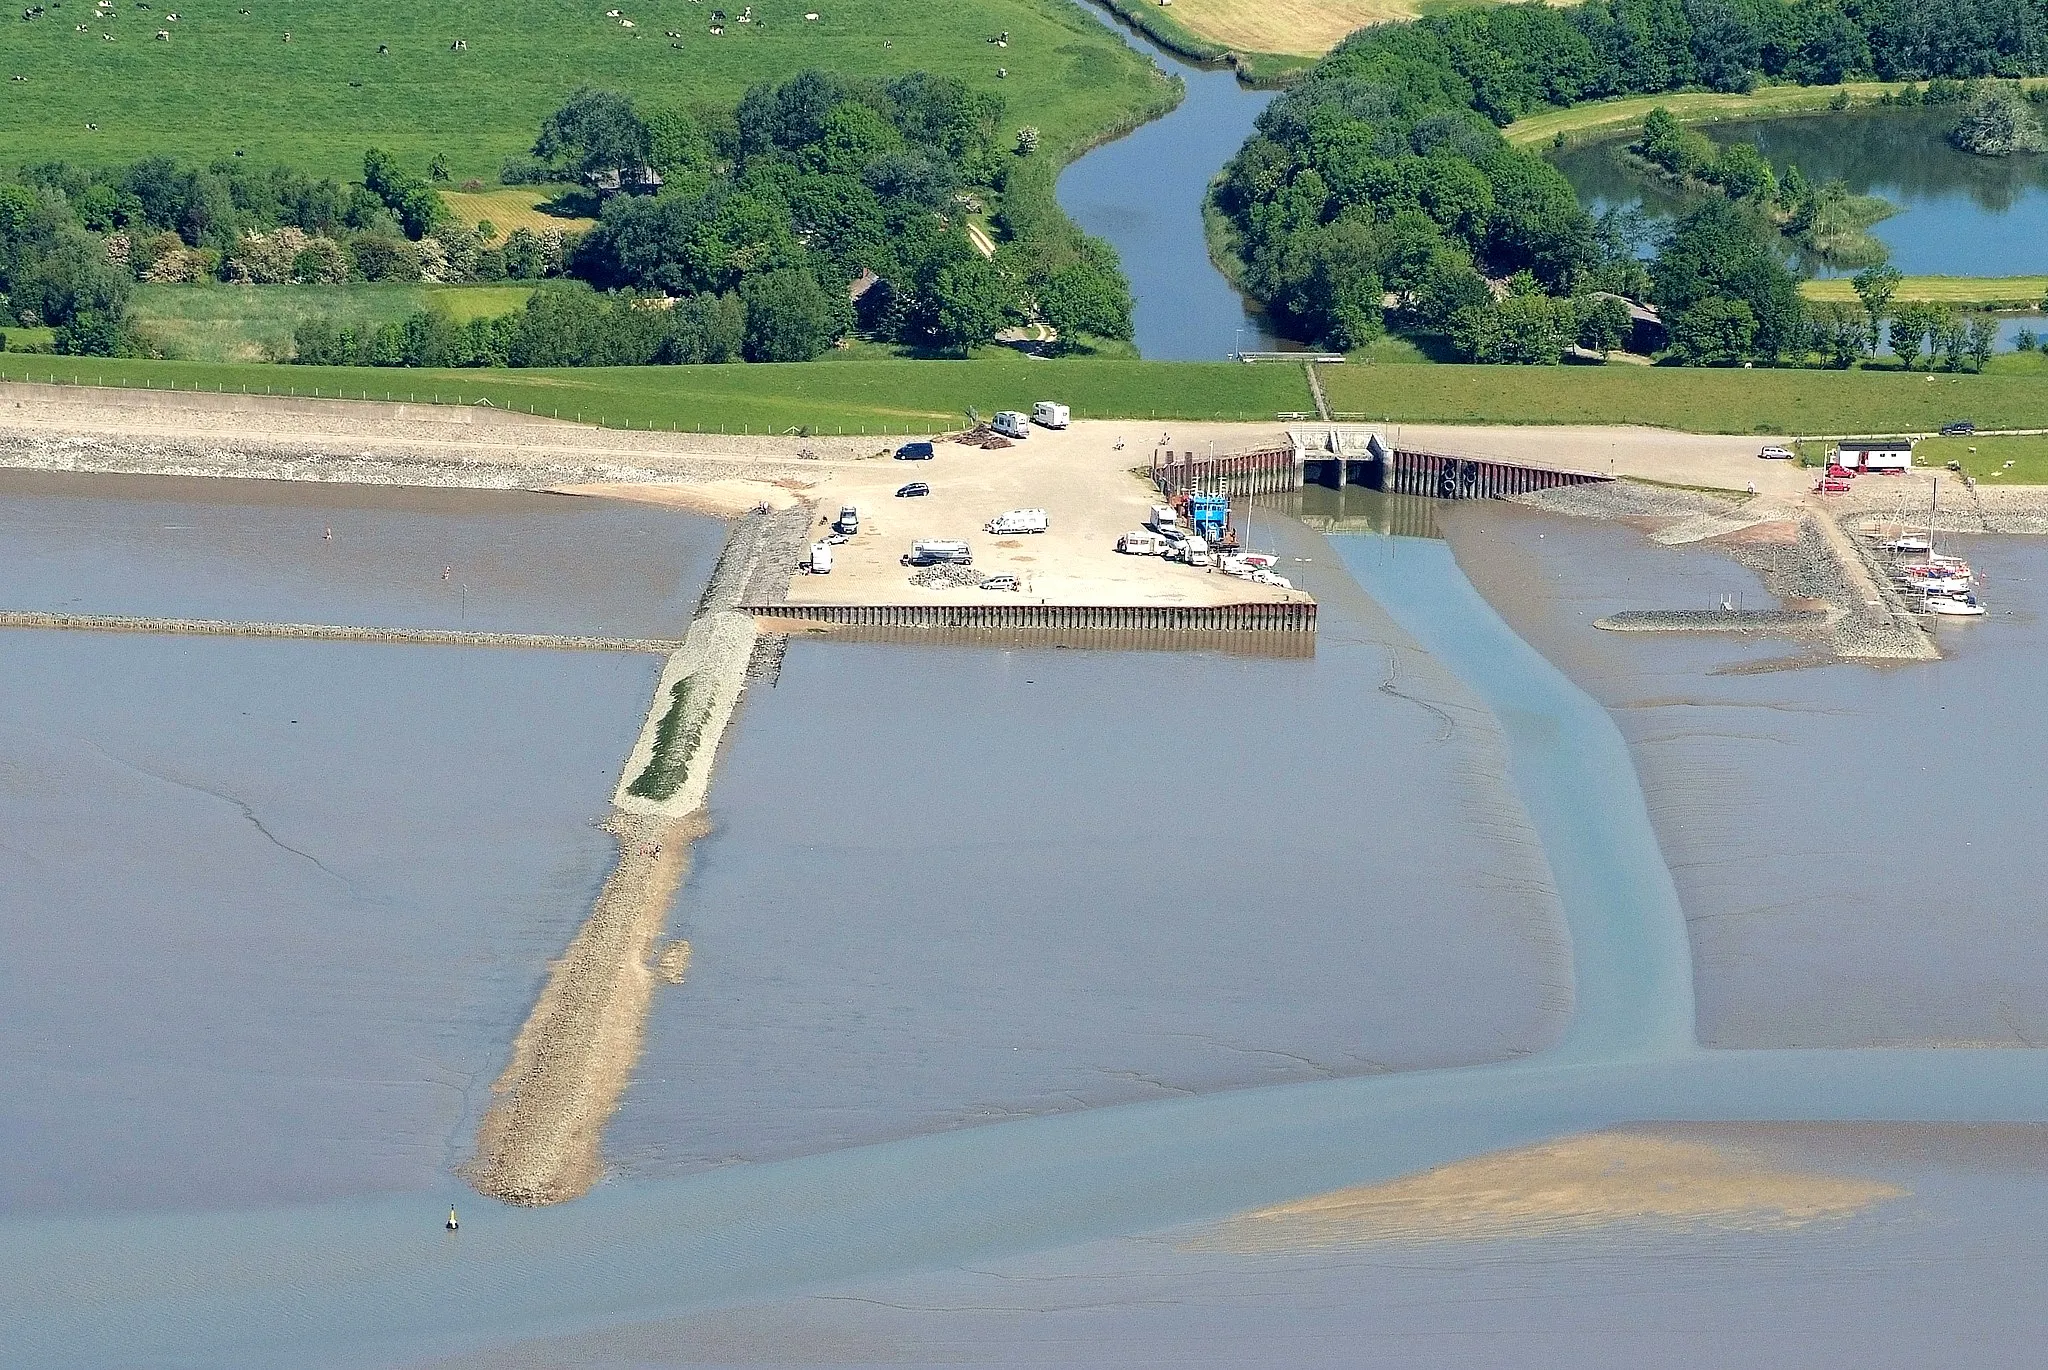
<point x="540" y="1141"/>
<point x="1625" y="1178"/>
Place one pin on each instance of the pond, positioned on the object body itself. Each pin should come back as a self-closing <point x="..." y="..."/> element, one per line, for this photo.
<point x="1959" y="215"/>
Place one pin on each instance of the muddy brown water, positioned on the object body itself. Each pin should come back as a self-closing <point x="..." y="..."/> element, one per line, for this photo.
<point x="1855" y="846"/>
<point x="273" y="911"/>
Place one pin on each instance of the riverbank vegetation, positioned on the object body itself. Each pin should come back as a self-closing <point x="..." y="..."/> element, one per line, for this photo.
<point x="1826" y="220"/>
<point x="1383" y="173"/>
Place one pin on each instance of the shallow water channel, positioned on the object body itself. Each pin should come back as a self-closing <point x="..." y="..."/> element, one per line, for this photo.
<point x="1144" y="193"/>
<point x="354" y="1281"/>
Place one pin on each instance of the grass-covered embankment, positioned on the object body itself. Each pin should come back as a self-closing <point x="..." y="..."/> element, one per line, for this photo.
<point x="1964" y="292"/>
<point x="1599" y="119"/>
<point x="1984" y="459"/>
<point x="1700" y="400"/>
<point x="894" y="396"/>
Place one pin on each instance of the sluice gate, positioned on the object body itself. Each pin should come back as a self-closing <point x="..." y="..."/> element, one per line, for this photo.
<point x="1338" y="456"/>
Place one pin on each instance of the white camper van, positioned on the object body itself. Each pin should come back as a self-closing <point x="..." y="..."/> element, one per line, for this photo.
<point x="1162" y="518"/>
<point x="934" y="550"/>
<point x="1140" y="544"/>
<point x="1011" y="424"/>
<point x="1018" y="521"/>
<point x="1049" y="414"/>
<point x="821" y="559"/>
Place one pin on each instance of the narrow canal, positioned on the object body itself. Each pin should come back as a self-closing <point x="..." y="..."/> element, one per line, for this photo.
<point x="1143" y="194"/>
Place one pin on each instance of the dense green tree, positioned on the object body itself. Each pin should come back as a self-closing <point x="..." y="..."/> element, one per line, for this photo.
<point x="790" y="317"/>
<point x="1715" y="253"/>
<point x="1717" y="330"/>
<point x="969" y="301"/>
<point x="594" y="130"/>
<point x="1604" y="323"/>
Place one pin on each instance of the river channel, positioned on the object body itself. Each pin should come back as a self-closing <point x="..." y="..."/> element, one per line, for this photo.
<point x="1144" y="192"/>
<point x="372" y="1279"/>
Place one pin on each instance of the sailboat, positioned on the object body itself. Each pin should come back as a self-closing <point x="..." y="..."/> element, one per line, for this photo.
<point x="1945" y="583"/>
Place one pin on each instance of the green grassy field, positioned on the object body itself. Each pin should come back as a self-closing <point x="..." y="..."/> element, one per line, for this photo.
<point x="826" y="397"/>
<point x="1970" y="292"/>
<point x="1604" y="118"/>
<point x="2013" y="395"/>
<point x="246" y="323"/>
<point x="227" y="80"/>
<point x="1985" y="458"/>
<point x="898" y="396"/>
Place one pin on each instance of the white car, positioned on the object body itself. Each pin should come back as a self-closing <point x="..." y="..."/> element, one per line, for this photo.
<point x="1776" y="454"/>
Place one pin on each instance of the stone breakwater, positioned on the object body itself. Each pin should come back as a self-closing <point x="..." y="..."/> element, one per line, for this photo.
<point x="329" y="632"/>
<point x="1778" y="622"/>
<point x="541" y="1140"/>
<point x="1866" y="619"/>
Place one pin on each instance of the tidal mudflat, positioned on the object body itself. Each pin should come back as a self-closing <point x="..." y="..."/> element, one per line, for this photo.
<point x="1854" y="846"/>
<point x="1882" y="1246"/>
<point x="274" y="910"/>
<point x="952" y="885"/>
<point x="366" y="555"/>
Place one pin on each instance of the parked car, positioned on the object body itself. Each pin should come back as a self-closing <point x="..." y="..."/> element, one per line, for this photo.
<point x="1840" y="472"/>
<point x="1001" y="583"/>
<point x="914" y="451"/>
<point x="1831" y="485"/>
<point x="1961" y="428"/>
<point x="912" y="490"/>
<point x="1776" y="454"/>
<point x="848" y="521"/>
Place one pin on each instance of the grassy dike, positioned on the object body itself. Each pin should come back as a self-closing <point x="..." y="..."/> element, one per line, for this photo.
<point x="1608" y="118"/>
<point x="880" y="397"/>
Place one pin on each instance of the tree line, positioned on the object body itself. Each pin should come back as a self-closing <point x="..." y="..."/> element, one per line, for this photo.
<point x="813" y="210"/>
<point x="810" y="211"/>
<point x="1381" y="186"/>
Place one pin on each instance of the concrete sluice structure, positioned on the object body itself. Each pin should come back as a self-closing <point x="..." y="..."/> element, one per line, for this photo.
<point x="1337" y="456"/>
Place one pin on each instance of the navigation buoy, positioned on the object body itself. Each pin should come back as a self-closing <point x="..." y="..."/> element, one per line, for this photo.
<point x="452" y="1224"/>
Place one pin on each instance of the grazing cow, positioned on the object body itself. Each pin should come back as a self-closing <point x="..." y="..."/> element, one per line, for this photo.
<point x="383" y="49"/>
<point x="163" y="35"/>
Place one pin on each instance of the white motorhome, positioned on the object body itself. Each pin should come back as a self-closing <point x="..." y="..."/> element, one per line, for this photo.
<point x="1162" y="518"/>
<point x="821" y="559"/>
<point x="1018" y="521"/>
<point x="1049" y="414"/>
<point x="1011" y="424"/>
<point x="1140" y="544"/>
<point x="934" y="550"/>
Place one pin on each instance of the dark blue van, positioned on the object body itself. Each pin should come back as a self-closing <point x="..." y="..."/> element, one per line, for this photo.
<point x="914" y="451"/>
